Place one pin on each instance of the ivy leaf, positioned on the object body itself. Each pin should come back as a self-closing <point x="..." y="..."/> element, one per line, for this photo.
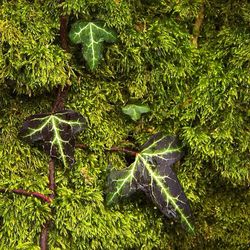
<point x="91" y="35"/>
<point x="55" y="132"/>
<point x="151" y="173"/>
<point x="135" y="111"/>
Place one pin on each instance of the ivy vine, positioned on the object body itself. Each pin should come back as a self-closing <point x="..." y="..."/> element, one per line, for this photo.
<point x="56" y="132"/>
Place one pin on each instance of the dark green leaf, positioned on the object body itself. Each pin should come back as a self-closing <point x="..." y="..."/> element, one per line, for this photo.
<point x="91" y="35"/>
<point x="55" y="132"/>
<point x="151" y="173"/>
<point x="135" y="111"/>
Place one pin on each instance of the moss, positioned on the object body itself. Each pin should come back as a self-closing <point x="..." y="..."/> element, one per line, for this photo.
<point x="201" y="94"/>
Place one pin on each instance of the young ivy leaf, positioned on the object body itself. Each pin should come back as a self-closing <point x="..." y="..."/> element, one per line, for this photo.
<point x="55" y="132"/>
<point x="91" y="35"/>
<point x="135" y="111"/>
<point x="151" y="173"/>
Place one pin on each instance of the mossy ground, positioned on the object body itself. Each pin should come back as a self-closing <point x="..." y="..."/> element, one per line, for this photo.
<point x="200" y="94"/>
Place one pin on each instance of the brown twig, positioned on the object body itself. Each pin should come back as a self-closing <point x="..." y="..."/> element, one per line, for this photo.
<point x="62" y="92"/>
<point x="52" y="183"/>
<point x="82" y="146"/>
<point x="28" y="193"/>
<point x="60" y="99"/>
<point x="198" y="24"/>
<point x="58" y="105"/>
<point x="52" y="186"/>
<point x="124" y="150"/>
<point x="44" y="236"/>
<point x="113" y="149"/>
<point x="64" y="32"/>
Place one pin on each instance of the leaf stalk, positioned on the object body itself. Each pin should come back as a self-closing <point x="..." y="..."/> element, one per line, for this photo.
<point x="198" y="24"/>
<point x="28" y="193"/>
<point x="112" y="149"/>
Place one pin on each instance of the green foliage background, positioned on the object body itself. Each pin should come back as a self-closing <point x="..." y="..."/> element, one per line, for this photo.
<point x="200" y="94"/>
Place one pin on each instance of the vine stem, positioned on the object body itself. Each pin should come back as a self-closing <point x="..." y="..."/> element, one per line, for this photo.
<point x="62" y="92"/>
<point x="63" y="32"/>
<point x="60" y="99"/>
<point x="124" y="150"/>
<point x="113" y="149"/>
<point x="44" y="236"/>
<point x="28" y="193"/>
<point x="58" y="105"/>
<point x="52" y="183"/>
<point x="52" y="186"/>
<point x="198" y="24"/>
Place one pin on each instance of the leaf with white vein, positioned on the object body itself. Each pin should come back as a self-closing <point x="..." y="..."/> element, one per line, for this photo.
<point x="55" y="132"/>
<point x="151" y="173"/>
<point x="91" y="35"/>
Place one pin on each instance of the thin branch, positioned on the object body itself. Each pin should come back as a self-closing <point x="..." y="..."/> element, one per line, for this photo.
<point x="46" y="226"/>
<point x="124" y="150"/>
<point x="52" y="184"/>
<point x="82" y="146"/>
<point x="28" y="193"/>
<point x="58" y="105"/>
<point x="44" y="236"/>
<point x="198" y="24"/>
<point x="62" y="92"/>
<point x="60" y="99"/>
<point x="64" y="32"/>
<point x="113" y="149"/>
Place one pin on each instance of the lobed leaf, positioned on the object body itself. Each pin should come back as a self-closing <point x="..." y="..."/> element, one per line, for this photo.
<point x="91" y="35"/>
<point x="135" y="111"/>
<point x="55" y="132"/>
<point x="151" y="173"/>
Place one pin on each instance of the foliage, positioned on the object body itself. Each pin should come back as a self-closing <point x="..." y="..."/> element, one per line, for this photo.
<point x="135" y="111"/>
<point x="201" y="94"/>
<point x="91" y="35"/>
<point x="151" y="173"/>
<point x="55" y="132"/>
